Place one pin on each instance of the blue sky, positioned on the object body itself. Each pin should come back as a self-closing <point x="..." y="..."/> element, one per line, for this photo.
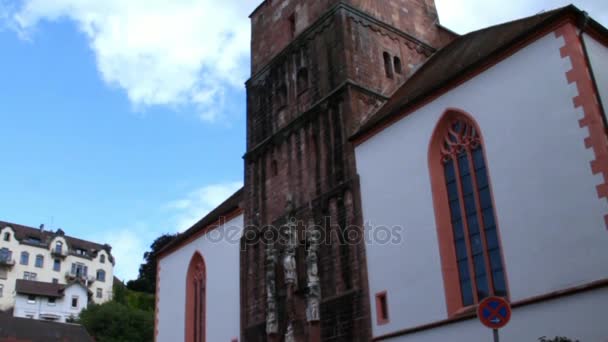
<point x="122" y="120"/>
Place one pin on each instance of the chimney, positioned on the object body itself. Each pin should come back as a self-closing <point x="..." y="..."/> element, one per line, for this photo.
<point x="42" y="227"/>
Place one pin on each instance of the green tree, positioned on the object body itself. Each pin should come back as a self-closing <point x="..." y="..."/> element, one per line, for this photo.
<point x="146" y="281"/>
<point x="116" y="322"/>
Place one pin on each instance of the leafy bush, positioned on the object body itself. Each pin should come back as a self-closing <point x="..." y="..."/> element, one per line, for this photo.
<point x="116" y="322"/>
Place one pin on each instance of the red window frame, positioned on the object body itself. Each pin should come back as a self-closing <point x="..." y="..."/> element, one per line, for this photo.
<point x="455" y="144"/>
<point x="196" y="300"/>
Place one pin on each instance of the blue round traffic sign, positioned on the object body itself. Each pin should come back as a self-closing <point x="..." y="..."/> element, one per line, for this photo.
<point x="494" y="312"/>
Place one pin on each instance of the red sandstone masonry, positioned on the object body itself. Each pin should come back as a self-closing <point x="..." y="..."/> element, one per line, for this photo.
<point x="588" y="102"/>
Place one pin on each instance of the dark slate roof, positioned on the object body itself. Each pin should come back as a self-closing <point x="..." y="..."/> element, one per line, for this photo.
<point x="39" y="288"/>
<point x="465" y="54"/>
<point x="22" y="233"/>
<point x="228" y="206"/>
<point x="25" y="329"/>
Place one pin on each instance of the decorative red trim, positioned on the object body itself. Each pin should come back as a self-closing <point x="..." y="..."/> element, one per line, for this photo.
<point x="156" y="300"/>
<point x="471" y="314"/>
<point x="445" y="235"/>
<point x="196" y="277"/>
<point x="382" y="315"/>
<point x="587" y="101"/>
<point x="218" y="223"/>
<point x="461" y="79"/>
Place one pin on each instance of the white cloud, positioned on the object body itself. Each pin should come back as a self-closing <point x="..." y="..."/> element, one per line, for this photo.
<point x="128" y="247"/>
<point x="464" y="16"/>
<point x="198" y="203"/>
<point x="161" y="52"/>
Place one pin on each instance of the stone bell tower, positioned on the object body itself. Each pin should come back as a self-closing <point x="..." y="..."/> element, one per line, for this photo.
<point x="319" y="69"/>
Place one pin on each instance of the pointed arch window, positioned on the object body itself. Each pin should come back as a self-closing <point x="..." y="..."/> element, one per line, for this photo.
<point x="464" y="208"/>
<point x="196" y="300"/>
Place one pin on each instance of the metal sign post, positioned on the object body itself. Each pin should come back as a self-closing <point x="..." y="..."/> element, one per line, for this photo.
<point x="494" y="313"/>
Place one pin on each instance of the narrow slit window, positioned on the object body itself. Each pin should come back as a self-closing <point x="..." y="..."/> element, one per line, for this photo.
<point x="382" y="308"/>
<point x="397" y="64"/>
<point x="388" y="65"/>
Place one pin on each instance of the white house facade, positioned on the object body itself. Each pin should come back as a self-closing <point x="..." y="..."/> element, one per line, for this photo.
<point x="52" y="257"/>
<point x="51" y="302"/>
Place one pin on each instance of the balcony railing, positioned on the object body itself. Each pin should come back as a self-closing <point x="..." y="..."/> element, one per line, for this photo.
<point x="61" y="253"/>
<point x="7" y="262"/>
<point x="69" y="276"/>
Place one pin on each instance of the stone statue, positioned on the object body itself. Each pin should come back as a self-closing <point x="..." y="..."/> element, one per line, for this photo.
<point x="289" y="335"/>
<point x="312" y="274"/>
<point x="272" y="321"/>
<point x="289" y="260"/>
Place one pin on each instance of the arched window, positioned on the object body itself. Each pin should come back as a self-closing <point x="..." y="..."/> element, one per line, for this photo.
<point x="101" y="275"/>
<point x="25" y="258"/>
<point x="464" y="209"/>
<point x="39" y="261"/>
<point x="195" y="300"/>
<point x="58" y="247"/>
<point x="388" y="67"/>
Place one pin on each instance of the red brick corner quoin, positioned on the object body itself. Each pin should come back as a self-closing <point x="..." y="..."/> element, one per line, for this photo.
<point x="587" y="100"/>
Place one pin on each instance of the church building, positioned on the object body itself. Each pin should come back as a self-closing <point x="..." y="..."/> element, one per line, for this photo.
<point x="397" y="174"/>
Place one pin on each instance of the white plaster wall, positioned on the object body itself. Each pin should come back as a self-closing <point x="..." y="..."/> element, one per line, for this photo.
<point x="598" y="57"/>
<point x="578" y="317"/>
<point x="46" y="273"/>
<point x="551" y="220"/>
<point x="220" y="250"/>
<point x="62" y="307"/>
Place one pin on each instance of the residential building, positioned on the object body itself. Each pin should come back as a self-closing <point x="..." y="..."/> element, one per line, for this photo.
<point x="36" y="254"/>
<point x="49" y="301"/>
<point x="397" y="174"/>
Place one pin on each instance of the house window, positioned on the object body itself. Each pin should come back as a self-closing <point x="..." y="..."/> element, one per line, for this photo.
<point x="31" y="299"/>
<point x="464" y="209"/>
<point x="51" y="302"/>
<point x="29" y="275"/>
<point x="55" y="281"/>
<point x="7" y="236"/>
<point x="59" y="247"/>
<point x="39" y="261"/>
<point x="195" y="303"/>
<point x="74" y="302"/>
<point x="101" y="275"/>
<point x="388" y="65"/>
<point x="57" y="265"/>
<point x="25" y="258"/>
<point x="102" y="259"/>
<point x="1" y="290"/>
<point x="79" y="270"/>
<point x="99" y="293"/>
<point x="381" y="308"/>
<point x="397" y="65"/>
<point x="6" y="255"/>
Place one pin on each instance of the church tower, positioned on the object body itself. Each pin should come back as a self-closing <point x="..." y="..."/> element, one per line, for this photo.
<point x="319" y="69"/>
